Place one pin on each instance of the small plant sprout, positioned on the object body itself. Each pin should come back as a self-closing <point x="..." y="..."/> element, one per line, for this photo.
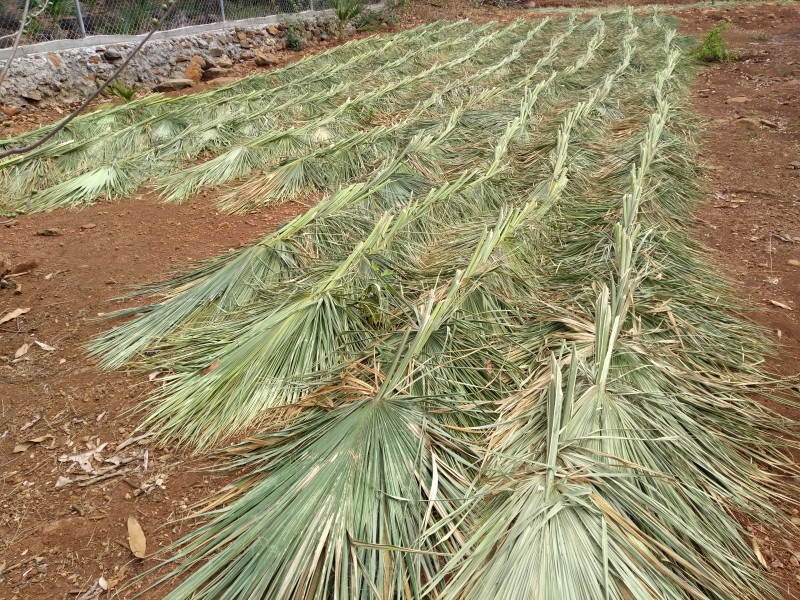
<point x="123" y="90"/>
<point x="712" y="47"/>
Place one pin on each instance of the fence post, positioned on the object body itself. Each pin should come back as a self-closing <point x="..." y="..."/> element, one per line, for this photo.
<point x="221" y="9"/>
<point x="311" y="2"/>
<point x="80" y="17"/>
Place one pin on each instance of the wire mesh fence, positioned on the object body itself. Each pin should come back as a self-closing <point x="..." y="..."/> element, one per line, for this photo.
<point x="57" y="19"/>
<point x="73" y="19"/>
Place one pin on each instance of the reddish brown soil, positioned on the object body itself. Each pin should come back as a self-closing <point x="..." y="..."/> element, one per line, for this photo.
<point x="751" y="217"/>
<point x="752" y="149"/>
<point x="101" y="252"/>
<point x="54" y="542"/>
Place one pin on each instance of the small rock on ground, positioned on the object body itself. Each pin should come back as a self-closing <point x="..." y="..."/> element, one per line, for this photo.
<point x="172" y="85"/>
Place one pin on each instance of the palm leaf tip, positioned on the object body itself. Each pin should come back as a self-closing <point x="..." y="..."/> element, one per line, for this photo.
<point x="345" y="512"/>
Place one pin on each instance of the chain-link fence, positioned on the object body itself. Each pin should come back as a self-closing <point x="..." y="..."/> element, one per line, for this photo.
<point x="73" y="19"/>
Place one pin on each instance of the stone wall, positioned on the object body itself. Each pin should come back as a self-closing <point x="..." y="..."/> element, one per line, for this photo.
<point x="66" y="76"/>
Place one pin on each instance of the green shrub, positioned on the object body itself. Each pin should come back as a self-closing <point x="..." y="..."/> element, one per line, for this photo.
<point x="294" y="39"/>
<point x="56" y="8"/>
<point x="370" y="20"/>
<point x="712" y="46"/>
<point x="346" y="11"/>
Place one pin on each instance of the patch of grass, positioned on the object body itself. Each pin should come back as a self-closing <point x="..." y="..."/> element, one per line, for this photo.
<point x="712" y="47"/>
<point x="761" y="36"/>
<point x="135" y="18"/>
<point x="393" y="11"/>
<point x="32" y="27"/>
<point x="56" y="8"/>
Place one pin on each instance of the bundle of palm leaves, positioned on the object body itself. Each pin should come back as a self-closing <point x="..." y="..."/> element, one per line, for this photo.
<point x="489" y="362"/>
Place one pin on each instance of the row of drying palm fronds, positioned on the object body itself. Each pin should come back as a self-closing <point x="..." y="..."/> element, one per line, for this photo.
<point x="98" y="160"/>
<point x="394" y="179"/>
<point x="85" y="160"/>
<point x="489" y="363"/>
<point x="91" y="147"/>
<point x="315" y="236"/>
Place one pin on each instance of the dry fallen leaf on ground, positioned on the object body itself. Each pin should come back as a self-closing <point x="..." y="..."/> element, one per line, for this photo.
<point x="36" y="418"/>
<point x="22" y="447"/>
<point x="759" y="555"/>
<point x="14" y="314"/>
<point x="63" y="481"/>
<point x="22" y="351"/>
<point x="136" y="539"/>
<point x="44" y="346"/>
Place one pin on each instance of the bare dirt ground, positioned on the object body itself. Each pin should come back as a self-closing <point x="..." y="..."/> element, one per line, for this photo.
<point x="751" y="215"/>
<point x="57" y="542"/>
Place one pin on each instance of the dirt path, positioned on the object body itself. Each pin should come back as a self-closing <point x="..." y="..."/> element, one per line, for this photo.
<point x="59" y="540"/>
<point x="751" y="217"/>
<point x="56" y="541"/>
